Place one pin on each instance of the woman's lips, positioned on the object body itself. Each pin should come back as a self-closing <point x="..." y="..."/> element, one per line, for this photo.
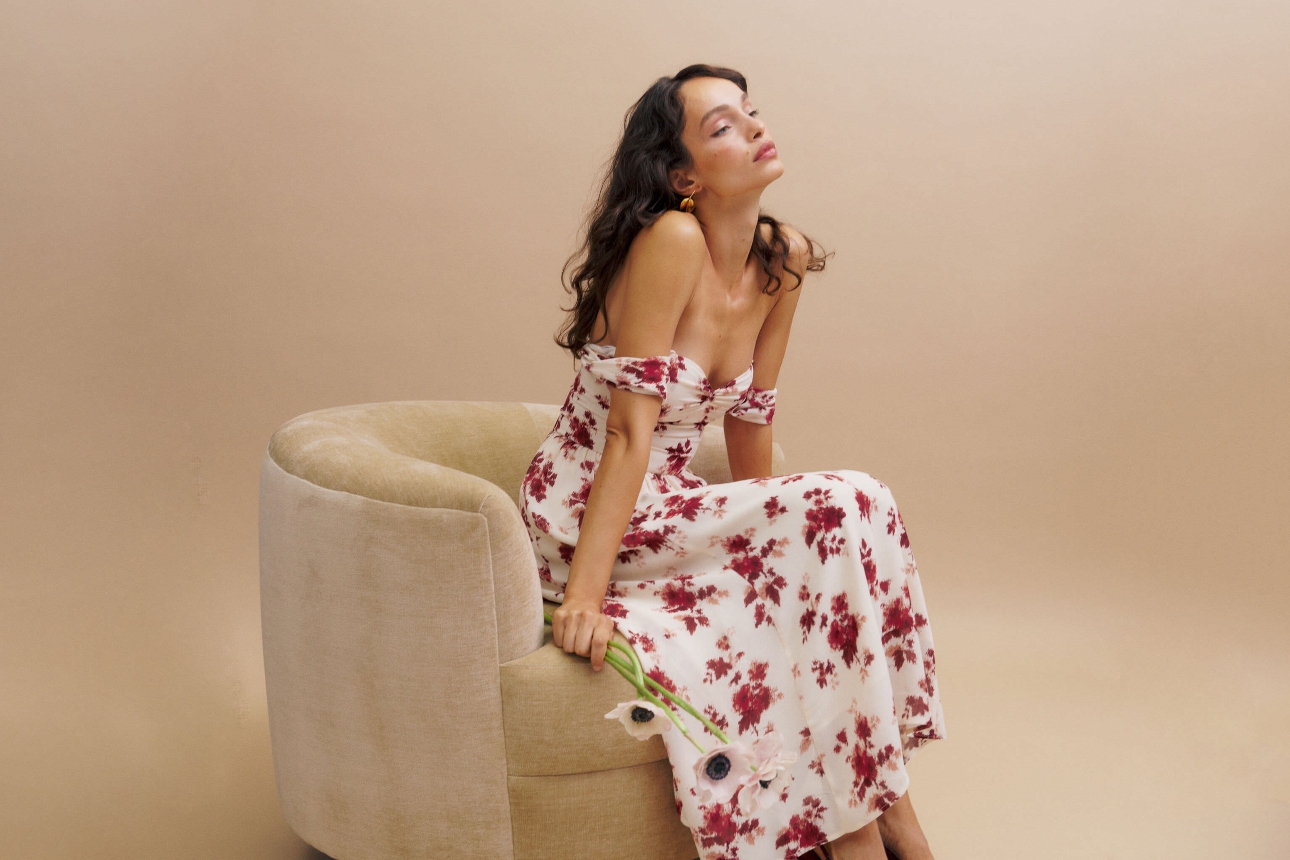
<point x="767" y="150"/>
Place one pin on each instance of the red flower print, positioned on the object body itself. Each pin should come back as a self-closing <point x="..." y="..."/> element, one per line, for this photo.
<point x="899" y="653"/>
<point x="844" y="630"/>
<point x="642" y="642"/>
<point x="682" y="600"/>
<point x="774" y="508"/>
<point x="722" y="825"/>
<point x="870" y="569"/>
<point x="865" y="767"/>
<point x="577" y="500"/>
<point x="807" y="621"/>
<point x="756" y="405"/>
<point x="540" y="475"/>
<point x="897" y="621"/>
<point x="894" y="522"/>
<point x="687" y="507"/>
<point x="864" y="504"/>
<point x="648" y="375"/>
<point x="915" y="706"/>
<point x="717" y="669"/>
<point x="747" y="560"/>
<point x="718" y="826"/>
<point x="822" y="520"/>
<point x="803" y="832"/>
<point x="718" y="719"/>
<point x="659" y="675"/>
<point x="638" y="540"/>
<point x="753" y="698"/>
<point x="580" y="433"/>
<point x="678" y="457"/>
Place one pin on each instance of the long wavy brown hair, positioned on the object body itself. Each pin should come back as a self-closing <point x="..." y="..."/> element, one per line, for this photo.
<point x="635" y="191"/>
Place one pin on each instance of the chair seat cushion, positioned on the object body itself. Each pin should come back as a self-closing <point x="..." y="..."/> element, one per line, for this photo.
<point x="553" y="714"/>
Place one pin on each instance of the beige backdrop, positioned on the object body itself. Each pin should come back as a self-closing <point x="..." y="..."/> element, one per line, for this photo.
<point x="1057" y="324"/>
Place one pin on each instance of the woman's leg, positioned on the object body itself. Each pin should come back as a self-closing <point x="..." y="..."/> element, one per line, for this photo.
<point x="901" y="833"/>
<point x="862" y="844"/>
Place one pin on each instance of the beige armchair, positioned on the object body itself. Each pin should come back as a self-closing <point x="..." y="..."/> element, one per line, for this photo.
<point x="417" y="707"/>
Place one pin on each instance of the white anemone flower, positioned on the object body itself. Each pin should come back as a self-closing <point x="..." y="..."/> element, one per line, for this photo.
<point x="642" y="719"/>
<point x="722" y="770"/>
<point x="772" y="764"/>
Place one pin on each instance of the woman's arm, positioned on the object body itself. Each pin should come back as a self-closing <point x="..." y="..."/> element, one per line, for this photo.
<point x="664" y="269"/>
<point x="748" y="445"/>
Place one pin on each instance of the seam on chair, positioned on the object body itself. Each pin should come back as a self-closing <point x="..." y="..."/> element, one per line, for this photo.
<point x="501" y="710"/>
<point x="269" y="456"/>
<point x="580" y="772"/>
<point x="653" y="763"/>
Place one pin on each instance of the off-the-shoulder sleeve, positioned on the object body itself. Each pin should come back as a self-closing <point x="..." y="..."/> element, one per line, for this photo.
<point x="648" y="375"/>
<point x="756" y="406"/>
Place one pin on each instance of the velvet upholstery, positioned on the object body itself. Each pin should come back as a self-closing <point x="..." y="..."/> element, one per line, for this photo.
<point x="417" y="707"/>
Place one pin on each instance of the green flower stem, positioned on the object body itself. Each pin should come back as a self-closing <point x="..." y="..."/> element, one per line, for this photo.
<point x="690" y="709"/>
<point x="625" y="671"/>
<point x="636" y="676"/>
<point x="636" y="661"/>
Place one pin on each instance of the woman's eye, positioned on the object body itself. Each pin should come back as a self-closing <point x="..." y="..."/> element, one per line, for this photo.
<point x="727" y="128"/>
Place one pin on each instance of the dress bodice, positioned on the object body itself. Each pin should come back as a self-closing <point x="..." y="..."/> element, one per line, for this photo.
<point x="689" y="402"/>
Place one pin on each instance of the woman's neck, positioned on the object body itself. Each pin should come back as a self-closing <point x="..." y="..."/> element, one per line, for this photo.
<point x="729" y="226"/>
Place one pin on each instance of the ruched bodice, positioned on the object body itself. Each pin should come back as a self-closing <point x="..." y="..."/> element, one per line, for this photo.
<point x="689" y="403"/>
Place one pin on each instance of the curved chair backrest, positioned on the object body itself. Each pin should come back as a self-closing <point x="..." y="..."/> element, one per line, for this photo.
<point x="396" y="575"/>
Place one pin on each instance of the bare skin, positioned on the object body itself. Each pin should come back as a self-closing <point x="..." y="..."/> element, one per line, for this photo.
<point x="690" y="284"/>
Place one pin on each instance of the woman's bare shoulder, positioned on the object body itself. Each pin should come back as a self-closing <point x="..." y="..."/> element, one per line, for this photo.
<point x="655" y="284"/>
<point x="673" y="231"/>
<point x="667" y="255"/>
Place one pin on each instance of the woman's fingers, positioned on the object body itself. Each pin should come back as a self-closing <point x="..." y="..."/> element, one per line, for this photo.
<point x="572" y="622"/>
<point x="586" y="627"/>
<point x="583" y="632"/>
<point x="600" y="641"/>
<point x="557" y="627"/>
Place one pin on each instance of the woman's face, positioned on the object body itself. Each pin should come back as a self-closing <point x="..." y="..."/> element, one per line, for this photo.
<point x="724" y="136"/>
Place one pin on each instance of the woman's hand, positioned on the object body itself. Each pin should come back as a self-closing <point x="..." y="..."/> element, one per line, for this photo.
<point x="579" y="627"/>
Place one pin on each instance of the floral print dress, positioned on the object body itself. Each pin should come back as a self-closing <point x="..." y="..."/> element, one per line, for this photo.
<point x="786" y="604"/>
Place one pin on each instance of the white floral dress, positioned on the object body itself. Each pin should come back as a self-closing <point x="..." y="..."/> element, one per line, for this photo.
<point x="787" y="604"/>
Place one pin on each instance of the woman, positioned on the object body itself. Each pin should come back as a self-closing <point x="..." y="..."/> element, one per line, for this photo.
<point x="786" y="607"/>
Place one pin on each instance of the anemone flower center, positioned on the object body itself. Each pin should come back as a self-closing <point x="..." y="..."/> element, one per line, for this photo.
<point x="641" y="715"/>
<point x="764" y="783"/>
<point x="718" y="766"/>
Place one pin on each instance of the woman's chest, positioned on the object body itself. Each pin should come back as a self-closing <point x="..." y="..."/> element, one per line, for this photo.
<point x="719" y="329"/>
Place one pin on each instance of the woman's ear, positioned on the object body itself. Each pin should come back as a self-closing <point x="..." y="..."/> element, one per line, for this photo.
<point x="682" y="183"/>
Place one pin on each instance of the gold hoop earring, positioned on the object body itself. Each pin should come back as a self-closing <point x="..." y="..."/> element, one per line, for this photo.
<point x="687" y="205"/>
